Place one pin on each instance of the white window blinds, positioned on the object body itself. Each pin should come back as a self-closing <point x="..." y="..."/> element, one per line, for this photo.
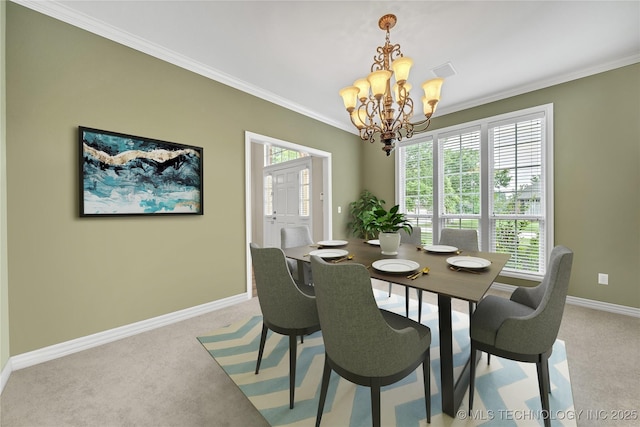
<point x="518" y="183"/>
<point x="493" y="175"/>
<point x="460" y="177"/>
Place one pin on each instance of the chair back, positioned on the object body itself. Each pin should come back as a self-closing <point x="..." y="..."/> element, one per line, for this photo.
<point x="281" y="302"/>
<point x="464" y="239"/>
<point x="290" y="237"/>
<point x="415" y="238"/>
<point x="356" y="335"/>
<point x="537" y="332"/>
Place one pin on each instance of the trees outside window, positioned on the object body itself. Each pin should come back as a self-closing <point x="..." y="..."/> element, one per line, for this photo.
<point x="494" y="175"/>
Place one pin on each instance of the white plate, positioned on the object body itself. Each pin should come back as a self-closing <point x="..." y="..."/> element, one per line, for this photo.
<point x="329" y="253"/>
<point x="332" y="242"/>
<point x="374" y="242"/>
<point x="468" y="262"/>
<point x="395" y="265"/>
<point x="440" y="248"/>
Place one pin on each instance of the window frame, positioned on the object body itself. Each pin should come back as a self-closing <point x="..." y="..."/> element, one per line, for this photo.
<point x="486" y="218"/>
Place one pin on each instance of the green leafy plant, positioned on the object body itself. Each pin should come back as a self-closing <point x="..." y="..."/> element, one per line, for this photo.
<point x="378" y="220"/>
<point x="359" y="210"/>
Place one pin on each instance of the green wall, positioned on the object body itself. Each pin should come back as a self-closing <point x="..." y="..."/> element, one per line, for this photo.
<point x="597" y="174"/>
<point x="70" y="277"/>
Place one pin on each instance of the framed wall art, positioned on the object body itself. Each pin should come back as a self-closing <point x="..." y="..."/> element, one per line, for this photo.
<point x="132" y="175"/>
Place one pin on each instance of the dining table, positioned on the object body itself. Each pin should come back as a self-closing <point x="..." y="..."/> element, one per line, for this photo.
<point x="444" y="279"/>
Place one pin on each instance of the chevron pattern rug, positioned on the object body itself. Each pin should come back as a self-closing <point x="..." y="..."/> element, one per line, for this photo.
<point x="506" y="391"/>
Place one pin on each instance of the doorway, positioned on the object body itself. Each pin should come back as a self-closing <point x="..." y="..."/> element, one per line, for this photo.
<point x="320" y="219"/>
<point x="288" y="201"/>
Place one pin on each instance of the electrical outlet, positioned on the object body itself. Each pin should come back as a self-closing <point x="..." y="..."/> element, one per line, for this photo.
<point x="603" y="279"/>
<point x="339" y="209"/>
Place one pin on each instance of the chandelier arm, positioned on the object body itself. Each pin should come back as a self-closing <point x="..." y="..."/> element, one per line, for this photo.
<point x="368" y="129"/>
<point x="385" y="55"/>
<point x="377" y="109"/>
<point x="403" y="116"/>
<point x="418" y="126"/>
<point x="395" y="52"/>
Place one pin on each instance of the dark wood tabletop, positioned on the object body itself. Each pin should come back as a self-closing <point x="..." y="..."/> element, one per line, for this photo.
<point x="465" y="285"/>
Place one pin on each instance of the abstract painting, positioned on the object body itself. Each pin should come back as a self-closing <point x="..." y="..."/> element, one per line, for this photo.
<point x="131" y="175"/>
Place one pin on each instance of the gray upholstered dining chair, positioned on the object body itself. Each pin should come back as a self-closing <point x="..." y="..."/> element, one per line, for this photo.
<point x="464" y="240"/>
<point x="291" y="237"/>
<point x="364" y="344"/>
<point x="285" y="309"/>
<point x="524" y="327"/>
<point x="415" y="238"/>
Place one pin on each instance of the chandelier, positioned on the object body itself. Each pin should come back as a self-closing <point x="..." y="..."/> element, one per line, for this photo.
<point x="384" y="111"/>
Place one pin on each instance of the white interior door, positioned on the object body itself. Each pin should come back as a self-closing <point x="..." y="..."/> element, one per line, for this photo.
<point x="285" y="190"/>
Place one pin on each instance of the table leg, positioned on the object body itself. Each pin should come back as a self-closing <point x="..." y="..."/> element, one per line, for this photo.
<point x="453" y="390"/>
<point x="301" y="268"/>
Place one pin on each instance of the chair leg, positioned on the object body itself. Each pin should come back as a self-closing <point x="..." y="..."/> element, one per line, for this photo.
<point x="375" y="402"/>
<point x="263" y="338"/>
<point x="326" y="375"/>
<point x="293" y="340"/>
<point x="548" y="378"/>
<point x="543" y="378"/>
<point x="389" y="288"/>
<point x="472" y="376"/>
<point x="426" y="375"/>
<point x="406" y="299"/>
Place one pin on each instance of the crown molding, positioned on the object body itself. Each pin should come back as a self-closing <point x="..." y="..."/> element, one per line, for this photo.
<point x="66" y="14"/>
<point x="541" y="84"/>
<point x="70" y="16"/>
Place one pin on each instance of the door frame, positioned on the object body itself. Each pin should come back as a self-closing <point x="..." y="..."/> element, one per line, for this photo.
<point x="251" y="138"/>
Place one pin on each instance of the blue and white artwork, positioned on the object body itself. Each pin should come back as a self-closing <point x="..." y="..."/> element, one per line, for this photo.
<point x="129" y="175"/>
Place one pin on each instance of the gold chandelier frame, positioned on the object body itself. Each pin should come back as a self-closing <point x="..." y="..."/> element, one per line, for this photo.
<point x="381" y="111"/>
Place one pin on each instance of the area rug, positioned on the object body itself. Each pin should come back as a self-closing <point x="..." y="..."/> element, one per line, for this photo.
<point x="506" y="391"/>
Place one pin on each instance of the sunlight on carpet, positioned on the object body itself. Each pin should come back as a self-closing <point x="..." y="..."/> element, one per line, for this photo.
<point x="506" y="391"/>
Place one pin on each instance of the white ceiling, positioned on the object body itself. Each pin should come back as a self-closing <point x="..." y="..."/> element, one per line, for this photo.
<point x="300" y="53"/>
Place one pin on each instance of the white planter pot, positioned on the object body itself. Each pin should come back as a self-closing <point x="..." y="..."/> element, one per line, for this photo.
<point x="389" y="243"/>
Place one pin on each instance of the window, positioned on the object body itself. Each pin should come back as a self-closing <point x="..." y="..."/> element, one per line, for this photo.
<point x="274" y="155"/>
<point x="517" y="215"/>
<point x="494" y="175"/>
<point x="268" y="194"/>
<point x="459" y="182"/>
<point x="305" y="192"/>
<point x="417" y="177"/>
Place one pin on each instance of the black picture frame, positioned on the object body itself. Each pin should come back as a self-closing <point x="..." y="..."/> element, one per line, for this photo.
<point x="123" y="174"/>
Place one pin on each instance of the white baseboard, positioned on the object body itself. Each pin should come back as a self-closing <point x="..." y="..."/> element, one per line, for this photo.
<point x="583" y="302"/>
<point x="63" y="349"/>
<point x="4" y="374"/>
<point x="55" y="351"/>
<point x="604" y="306"/>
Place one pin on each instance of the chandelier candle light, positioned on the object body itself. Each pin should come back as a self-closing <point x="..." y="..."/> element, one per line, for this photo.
<point x="376" y="117"/>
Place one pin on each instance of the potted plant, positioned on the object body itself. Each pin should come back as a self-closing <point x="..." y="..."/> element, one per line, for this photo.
<point x="387" y="224"/>
<point x="359" y="210"/>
